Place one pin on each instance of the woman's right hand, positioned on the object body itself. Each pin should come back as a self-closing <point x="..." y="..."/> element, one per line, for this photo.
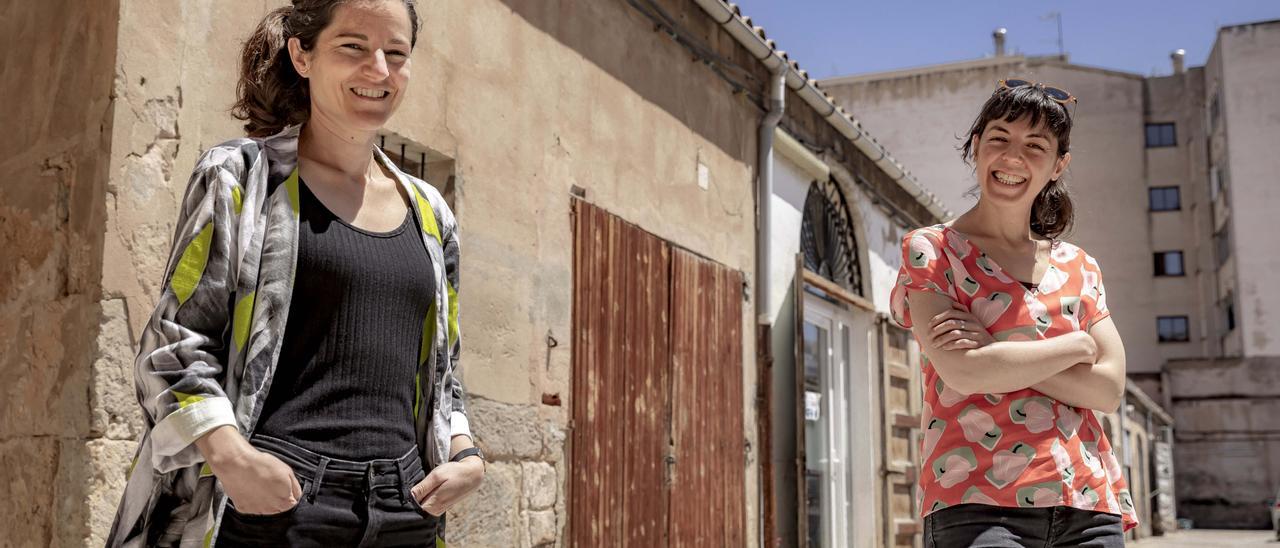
<point x="958" y="329"/>
<point x="256" y="482"/>
<point x="1089" y="346"/>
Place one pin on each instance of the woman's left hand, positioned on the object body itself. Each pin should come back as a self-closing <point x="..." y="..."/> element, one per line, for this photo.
<point x="448" y="484"/>
<point x="958" y="329"/>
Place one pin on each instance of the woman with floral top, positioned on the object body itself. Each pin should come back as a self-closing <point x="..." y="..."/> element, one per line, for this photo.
<point x="1020" y="349"/>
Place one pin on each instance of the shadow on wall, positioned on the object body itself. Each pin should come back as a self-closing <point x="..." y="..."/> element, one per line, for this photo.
<point x="784" y="419"/>
<point x="620" y="39"/>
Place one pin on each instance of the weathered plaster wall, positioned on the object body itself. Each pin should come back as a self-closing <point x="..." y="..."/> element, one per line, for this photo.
<point x="530" y="100"/>
<point x="55" y="83"/>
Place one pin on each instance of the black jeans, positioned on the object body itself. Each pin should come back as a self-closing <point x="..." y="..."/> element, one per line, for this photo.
<point x="966" y="525"/>
<point x="344" y="503"/>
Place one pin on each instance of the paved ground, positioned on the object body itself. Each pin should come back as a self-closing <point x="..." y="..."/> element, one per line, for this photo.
<point x="1210" y="538"/>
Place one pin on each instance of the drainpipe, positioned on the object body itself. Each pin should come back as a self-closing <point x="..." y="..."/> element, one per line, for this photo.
<point x="764" y="308"/>
<point x="764" y="190"/>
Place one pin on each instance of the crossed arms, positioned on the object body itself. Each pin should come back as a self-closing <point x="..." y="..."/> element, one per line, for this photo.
<point x="1082" y="368"/>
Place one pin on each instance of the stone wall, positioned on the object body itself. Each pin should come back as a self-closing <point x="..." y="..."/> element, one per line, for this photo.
<point x="55" y="84"/>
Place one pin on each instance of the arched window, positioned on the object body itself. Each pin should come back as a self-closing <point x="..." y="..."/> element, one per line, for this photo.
<point x="826" y="236"/>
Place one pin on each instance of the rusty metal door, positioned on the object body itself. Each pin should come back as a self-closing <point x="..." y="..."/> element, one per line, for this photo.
<point x="620" y="382"/>
<point x="657" y="428"/>
<point x="707" y="491"/>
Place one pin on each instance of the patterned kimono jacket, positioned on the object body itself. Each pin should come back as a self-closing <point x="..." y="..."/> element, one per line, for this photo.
<point x="208" y="353"/>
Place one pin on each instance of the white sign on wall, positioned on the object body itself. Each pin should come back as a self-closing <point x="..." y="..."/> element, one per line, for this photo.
<point x="812" y="406"/>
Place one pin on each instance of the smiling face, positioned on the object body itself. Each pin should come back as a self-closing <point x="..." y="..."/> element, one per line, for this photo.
<point x="1015" y="160"/>
<point x="358" y="68"/>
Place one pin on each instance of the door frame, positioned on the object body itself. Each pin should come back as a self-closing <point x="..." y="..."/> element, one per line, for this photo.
<point x="854" y="320"/>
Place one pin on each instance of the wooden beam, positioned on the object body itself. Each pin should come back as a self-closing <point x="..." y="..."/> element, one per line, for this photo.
<point x="831" y="288"/>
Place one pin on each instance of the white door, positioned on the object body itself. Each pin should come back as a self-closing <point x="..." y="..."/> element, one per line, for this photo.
<point x="839" y="444"/>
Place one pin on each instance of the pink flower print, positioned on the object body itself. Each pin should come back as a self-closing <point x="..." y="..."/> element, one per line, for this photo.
<point x="958" y="245"/>
<point x="1089" y="456"/>
<point x="1035" y="412"/>
<point x="957" y="470"/>
<point x="932" y="433"/>
<point x="1102" y="297"/>
<point x="898" y="304"/>
<point x="1039" y="312"/>
<point x="954" y="466"/>
<point x="1040" y="495"/>
<point x="976" y="496"/>
<point x="1047" y="497"/>
<point x="1008" y="464"/>
<point x="979" y="427"/>
<point x="1021" y="333"/>
<point x="1068" y="421"/>
<point x="1089" y="285"/>
<point x="1070" y="307"/>
<point x="1113" y="465"/>
<point x="990" y="308"/>
<point x="1063" y="461"/>
<point x="1126" y="501"/>
<point x="1064" y="252"/>
<point x="1085" y="499"/>
<point x="922" y="252"/>
<point x="1113" y="505"/>
<point x="1052" y="281"/>
<point x="948" y="397"/>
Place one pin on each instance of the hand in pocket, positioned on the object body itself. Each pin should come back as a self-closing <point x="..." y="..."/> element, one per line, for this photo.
<point x="259" y="483"/>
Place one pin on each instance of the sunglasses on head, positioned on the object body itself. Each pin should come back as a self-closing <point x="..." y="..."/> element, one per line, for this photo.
<point x="1060" y="95"/>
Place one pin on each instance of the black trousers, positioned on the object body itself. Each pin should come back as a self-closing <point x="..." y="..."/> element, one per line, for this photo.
<point x="982" y="525"/>
<point x="343" y="503"/>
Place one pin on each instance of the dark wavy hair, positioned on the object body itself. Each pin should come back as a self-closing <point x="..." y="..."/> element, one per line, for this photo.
<point x="271" y="94"/>
<point x="1052" y="213"/>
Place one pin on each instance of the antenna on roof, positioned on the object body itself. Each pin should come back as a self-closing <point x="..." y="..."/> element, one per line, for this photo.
<point x="1057" y="15"/>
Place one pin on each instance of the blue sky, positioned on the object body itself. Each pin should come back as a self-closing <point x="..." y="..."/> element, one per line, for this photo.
<point x="840" y="37"/>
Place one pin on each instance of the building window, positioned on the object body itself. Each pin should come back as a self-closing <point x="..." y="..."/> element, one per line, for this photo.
<point x="1169" y="263"/>
<point x="1215" y="110"/>
<point x="1161" y="135"/>
<point x="1164" y="198"/>
<point x="421" y="161"/>
<point x="1173" y="329"/>
<point x="826" y="236"/>
<point x="1228" y="306"/>
<point x="1222" y="246"/>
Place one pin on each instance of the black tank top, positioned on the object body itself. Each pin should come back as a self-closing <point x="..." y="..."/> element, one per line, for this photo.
<point x="344" y="383"/>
